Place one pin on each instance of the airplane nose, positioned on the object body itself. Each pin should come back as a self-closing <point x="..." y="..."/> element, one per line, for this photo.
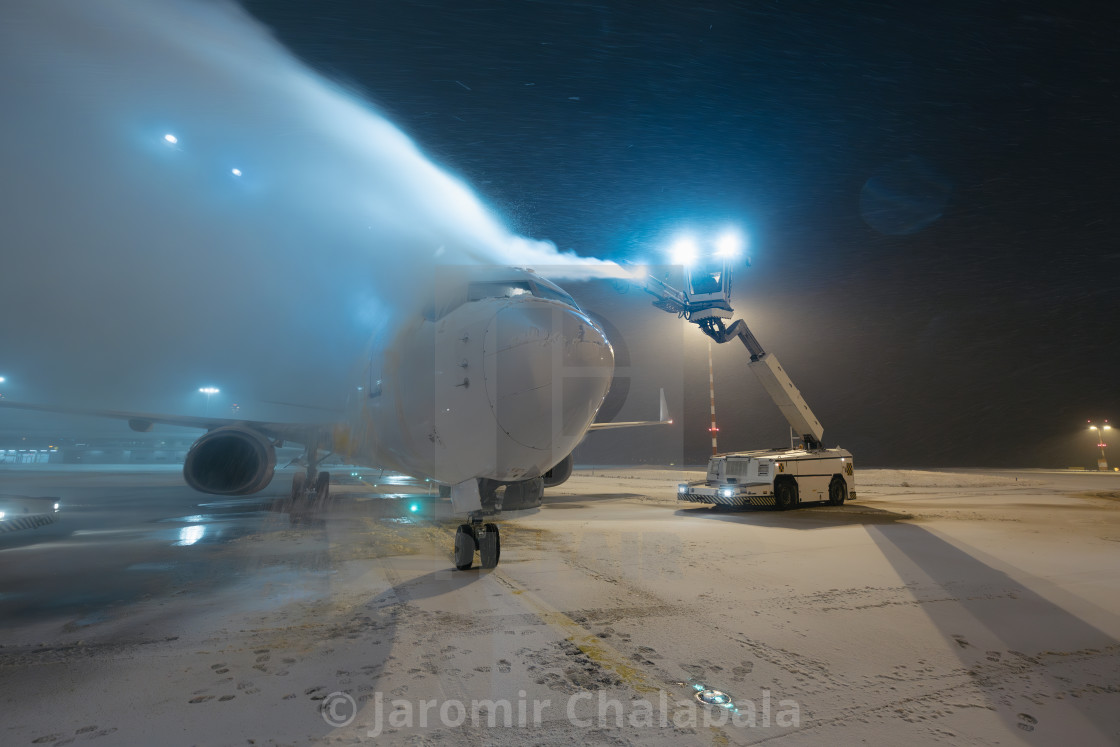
<point x="547" y="368"/>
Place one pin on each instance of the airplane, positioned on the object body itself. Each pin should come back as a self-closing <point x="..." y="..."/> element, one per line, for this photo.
<point x="486" y="390"/>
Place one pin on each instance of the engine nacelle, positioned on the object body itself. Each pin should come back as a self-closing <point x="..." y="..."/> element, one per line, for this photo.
<point x="231" y="460"/>
<point x="558" y="474"/>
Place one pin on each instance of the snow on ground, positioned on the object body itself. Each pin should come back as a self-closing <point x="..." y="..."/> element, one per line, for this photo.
<point x="940" y="607"/>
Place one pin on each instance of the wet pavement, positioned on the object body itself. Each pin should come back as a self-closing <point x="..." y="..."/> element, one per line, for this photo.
<point x="136" y="535"/>
<point x="938" y="608"/>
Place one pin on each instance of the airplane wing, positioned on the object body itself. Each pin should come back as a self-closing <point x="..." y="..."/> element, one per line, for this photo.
<point x="143" y="422"/>
<point x="665" y="420"/>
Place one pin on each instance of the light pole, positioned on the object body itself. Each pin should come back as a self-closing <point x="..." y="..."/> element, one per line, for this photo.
<point x="712" y="395"/>
<point x="1102" y="462"/>
<point x="209" y="391"/>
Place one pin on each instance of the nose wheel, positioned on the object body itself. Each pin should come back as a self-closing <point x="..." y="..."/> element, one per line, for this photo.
<point x="477" y="536"/>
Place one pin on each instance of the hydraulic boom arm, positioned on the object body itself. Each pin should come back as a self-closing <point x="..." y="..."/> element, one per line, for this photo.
<point x="707" y="311"/>
<point x="773" y="377"/>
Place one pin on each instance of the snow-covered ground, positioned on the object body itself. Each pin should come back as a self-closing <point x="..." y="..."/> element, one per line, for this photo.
<point x="939" y="607"/>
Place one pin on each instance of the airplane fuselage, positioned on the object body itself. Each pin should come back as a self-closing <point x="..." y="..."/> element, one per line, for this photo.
<point x="499" y="383"/>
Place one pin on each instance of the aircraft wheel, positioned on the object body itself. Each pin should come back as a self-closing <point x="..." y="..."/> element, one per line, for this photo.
<point x="785" y="495"/>
<point x="489" y="546"/>
<point x="296" y="507"/>
<point x="323" y="487"/>
<point x="465" y="544"/>
<point x="837" y="491"/>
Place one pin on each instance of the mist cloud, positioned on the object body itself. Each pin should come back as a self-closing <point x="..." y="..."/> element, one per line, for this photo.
<point x="136" y="269"/>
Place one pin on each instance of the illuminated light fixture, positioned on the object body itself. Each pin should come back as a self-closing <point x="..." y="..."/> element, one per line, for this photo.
<point x="414" y="508"/>
<point x="1" y="515"/>
<point x="714" y="697"/>
<point x="729" y="245"/>
<point x="171" y="139"/>
<point x="684" y="251"/>
<point x="209" y="390"/>
<point x="235" y="172"/>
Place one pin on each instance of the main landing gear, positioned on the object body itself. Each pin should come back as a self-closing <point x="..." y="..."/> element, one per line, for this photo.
<point x="477" y="536"/>
<point x="311" y="489"/>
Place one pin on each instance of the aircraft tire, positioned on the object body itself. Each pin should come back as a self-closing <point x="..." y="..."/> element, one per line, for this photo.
<point x="489" y="546"/>
<point x="299" y="482"/>
<point x="465" y="544"/>
<point x="296" y="507"/>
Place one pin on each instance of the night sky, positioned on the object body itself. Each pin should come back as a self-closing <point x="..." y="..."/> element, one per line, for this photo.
<point x="929" y="192"/>
<point x="929" y="195"/>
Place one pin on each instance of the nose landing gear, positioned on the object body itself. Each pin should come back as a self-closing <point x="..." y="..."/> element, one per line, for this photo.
<point x="477" y="536"/>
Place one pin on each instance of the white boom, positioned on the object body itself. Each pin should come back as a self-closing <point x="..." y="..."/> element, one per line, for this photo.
<point x="786" y="396"/>
<point x="707" y="307"/>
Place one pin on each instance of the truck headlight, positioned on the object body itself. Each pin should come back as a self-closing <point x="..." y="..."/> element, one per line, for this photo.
<point x="726" y="492"/>
<point x="681" y="489"/>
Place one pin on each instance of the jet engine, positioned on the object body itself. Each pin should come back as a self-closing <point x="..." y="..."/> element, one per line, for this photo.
<point x="231" y="460"/>
<point x="558" y="474"/>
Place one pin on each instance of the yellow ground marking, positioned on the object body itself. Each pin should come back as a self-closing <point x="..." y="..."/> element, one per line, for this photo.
<point x="594" y="647"/>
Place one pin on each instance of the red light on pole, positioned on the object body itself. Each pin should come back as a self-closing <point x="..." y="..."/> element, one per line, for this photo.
<point x="1102" y="462"/>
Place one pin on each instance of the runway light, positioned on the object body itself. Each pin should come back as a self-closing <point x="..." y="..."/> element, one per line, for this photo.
<point x="414" y="507"/>
<point x="171" y="139"/>
<point x="714" y="697"/>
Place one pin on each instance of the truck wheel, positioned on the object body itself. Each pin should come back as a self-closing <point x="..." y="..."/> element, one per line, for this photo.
<point x="785" y="495"/>
<point x="837" y="491"/>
